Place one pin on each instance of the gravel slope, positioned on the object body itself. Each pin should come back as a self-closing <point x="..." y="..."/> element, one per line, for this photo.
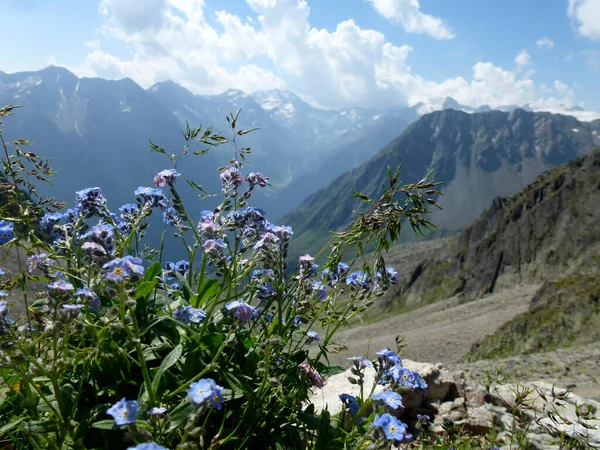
<point x="444" y="332"/>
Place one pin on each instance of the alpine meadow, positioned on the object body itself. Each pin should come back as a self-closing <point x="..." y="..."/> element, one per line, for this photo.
<point x="299" y="224"/>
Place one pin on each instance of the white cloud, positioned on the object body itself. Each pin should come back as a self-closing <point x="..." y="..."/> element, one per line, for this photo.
<point x="408" y="15"/>
<point x="545" y="42"/>
<point x="524" y="64"/>
<point x="523" y="59"/>
<point x="348" y="66"/>
<point x="586" y="16"/>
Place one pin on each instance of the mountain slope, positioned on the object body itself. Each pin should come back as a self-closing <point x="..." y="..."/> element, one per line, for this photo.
<point x="546" y="232"/>
<point x="478" y="157"/>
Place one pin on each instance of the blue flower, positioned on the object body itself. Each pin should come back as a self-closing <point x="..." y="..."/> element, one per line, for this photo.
<point x="266" y="290"/>
<point x="240" y="309"/>
<point x="3" y="308"/>
<point x="157" y="411"/>
<point x="281" y="231"/>
<point x="152" y="197"/>
<point x="165" y="177"/>
<point x="182" y="266"/>
<point x="213" y="246"/>
<point x="231" y="178"/>
<point x="61" y="286"/>
<point x="124" y="411"/>
<point x="358" y="279"/>
<point x="189" y="314"/>
<point x="103" y="235"/>
<point x="148" y="446"/>
<point x="206" y="391"/>
<point x="70" y="307"/>
<point x="170" y="216"/>
<point x="391" y="274"/>
<point x="7" y="231"/>
<point x="1" y="272"/>
<point x="390" y="398"/>
<point x="393" y="429"/>
<point x="41" y="261"/>
<point x="128" y="210"/>
<point x="89" y="201"/>
<point x="48" y="221"/>
<point x="388" y="357"/>
<point x="71" y="214"/>
<point x="312" y="336"/>
<point x="121" y="268"/>
<point x="349" y="401"/>
<point x="90" y="297"/>
<point x="257" y="178"/>
<point x="206" y="215"/>
<point x="3" y="293"/>
<point x="407" y="378"/>
<point x="319" y="290"/>
<point x="267" y="242"/>
<point x="265" y="273"/>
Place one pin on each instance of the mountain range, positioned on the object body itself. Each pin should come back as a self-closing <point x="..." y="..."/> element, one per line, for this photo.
<point x="97" y="131"/>
<point x="476" y="156"/>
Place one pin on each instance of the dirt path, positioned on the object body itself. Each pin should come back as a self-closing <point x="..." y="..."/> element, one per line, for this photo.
<point x="441" y="332"/>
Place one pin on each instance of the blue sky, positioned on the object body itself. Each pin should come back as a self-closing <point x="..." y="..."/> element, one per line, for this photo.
<point x="333" y="53"/>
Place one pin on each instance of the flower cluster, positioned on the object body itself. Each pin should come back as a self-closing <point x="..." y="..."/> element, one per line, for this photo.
<point x="206" y="391"/>
<point x="311" y="373"/>
<point x="219" y="348"/>
<point x="90" y="201"/>
<point x="165" y="177"/>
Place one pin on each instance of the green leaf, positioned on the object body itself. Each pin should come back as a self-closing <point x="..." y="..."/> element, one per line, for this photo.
<point x="145" y="288"/>
<point x="323" y="436"/>
<point x="169" y="360"/>
<point x="206" y="290"/>
<point x="248" y="343"/>
<point x="105" y="425"/>
<point x="11" y="425"/>
<point x="212" y="340"/>
<point x="299" y="356"/>
<point x="153" y="271"/>
<point x="180" y="414"/>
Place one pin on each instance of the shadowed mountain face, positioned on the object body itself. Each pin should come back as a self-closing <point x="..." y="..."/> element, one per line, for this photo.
<point x="546" y="232"/>
<point x="478" y="157"/>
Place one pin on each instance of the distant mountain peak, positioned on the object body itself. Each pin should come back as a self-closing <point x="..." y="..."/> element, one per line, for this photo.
<point x="169" y="86"/>
<point x="451" y="103"/>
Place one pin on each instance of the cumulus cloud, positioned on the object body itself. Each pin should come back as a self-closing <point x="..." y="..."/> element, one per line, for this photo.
<point x="407" y="14"/>
<point x="545" y="42"/>
<point x="278" y="48"/>
<point x="523" y="59"/>
<point x="585" y="14"/>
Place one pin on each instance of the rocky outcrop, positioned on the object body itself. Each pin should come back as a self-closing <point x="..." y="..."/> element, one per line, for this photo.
<point x="540" y="410"/>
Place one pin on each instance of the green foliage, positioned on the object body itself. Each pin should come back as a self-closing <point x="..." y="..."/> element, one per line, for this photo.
<point x="110" y="326"/>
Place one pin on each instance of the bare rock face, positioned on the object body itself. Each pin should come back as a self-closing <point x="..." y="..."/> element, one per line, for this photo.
<point x="539" y="408"/>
